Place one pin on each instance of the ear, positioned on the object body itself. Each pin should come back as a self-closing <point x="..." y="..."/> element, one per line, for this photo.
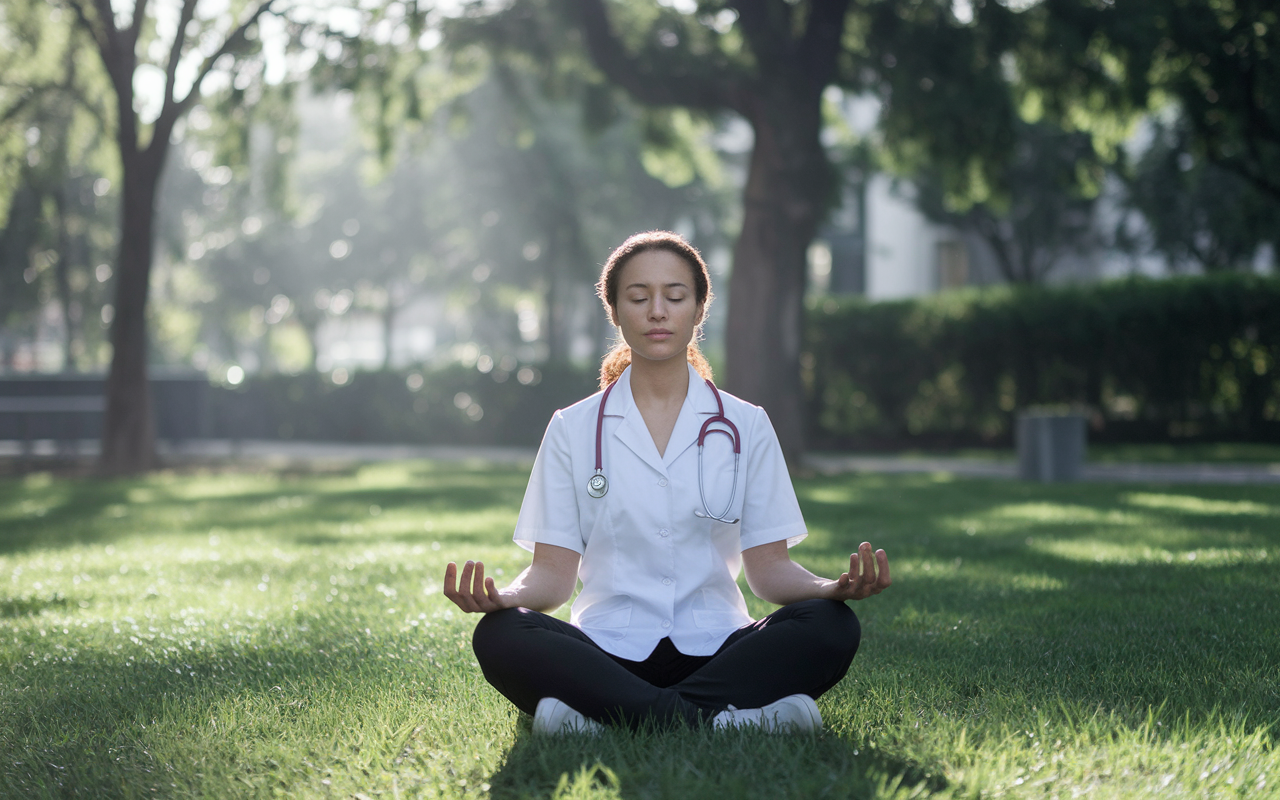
<point x="698" y="317"/>
<point x="613" y="316"/>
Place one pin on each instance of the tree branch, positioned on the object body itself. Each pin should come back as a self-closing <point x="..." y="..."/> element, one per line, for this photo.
<point x="237" y="36"/>
<point x="21" y="103"/>
<point x="99" y="36"/>
<point x="135" y="25"/>
<point x="108" y="19"/>
<point x="175" y="50"/>
<point x="822" y="41"/>
<point x="172" y="108"/>
<point x="766" y="25"/>
<point x="692" y="90"/>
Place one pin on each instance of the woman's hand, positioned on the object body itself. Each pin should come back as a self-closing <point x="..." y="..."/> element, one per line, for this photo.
<point x="474" y="593"/>
<point x="867" y="575"/>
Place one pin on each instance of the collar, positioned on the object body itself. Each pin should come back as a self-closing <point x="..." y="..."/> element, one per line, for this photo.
<point x="699" y="396"/>
<point x="632" y="431"/>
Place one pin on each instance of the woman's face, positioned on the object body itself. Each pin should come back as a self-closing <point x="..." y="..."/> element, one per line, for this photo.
<point x="657" y="308"/>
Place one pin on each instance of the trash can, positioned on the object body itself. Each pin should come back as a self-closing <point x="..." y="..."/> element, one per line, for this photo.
<point x="1051" y="445"/>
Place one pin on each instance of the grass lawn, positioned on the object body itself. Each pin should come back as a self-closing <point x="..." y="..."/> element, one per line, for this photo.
<point x="264" y="634"/>
<point x="1150" y="453"/>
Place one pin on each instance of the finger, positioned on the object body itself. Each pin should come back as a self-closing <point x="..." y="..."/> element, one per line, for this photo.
<point x="854" y="582"/>
<point x="450" y="579"/>
<point x="882" y="562"/>
<point x="491" y="589"/>
<point x="867" y="559"/>
<point x="866" y="571"/>
<point x="453" y="592"/>
<point x="477" y="586"/>
<point x="464" y="599"/>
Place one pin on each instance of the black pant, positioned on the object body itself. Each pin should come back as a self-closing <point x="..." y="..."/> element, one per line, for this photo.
<point x="805" y="647"/>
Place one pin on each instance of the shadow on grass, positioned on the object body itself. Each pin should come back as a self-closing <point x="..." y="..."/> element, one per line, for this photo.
<point x="30" y="606"/>
<point x="683" y="763"/>
<point x="103" y="511"/>
<point x="203" y="723"/>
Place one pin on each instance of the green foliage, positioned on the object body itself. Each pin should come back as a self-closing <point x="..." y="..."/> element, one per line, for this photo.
<point x="1199" y="213"/>
<point x="55" y="176"/>
<point x="1218" y="61"/>
<point x="1150" y="359"/>
<point x="450" y="405"/>
<point x="1045" y="211"/>
<point x="264" y="634"/>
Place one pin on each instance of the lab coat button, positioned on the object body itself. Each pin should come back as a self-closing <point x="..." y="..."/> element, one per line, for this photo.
<point x="666" y="623"/>
<point x="662" y="482"/>
<point x="666" y="581"/>
<point x="664" y="532"/>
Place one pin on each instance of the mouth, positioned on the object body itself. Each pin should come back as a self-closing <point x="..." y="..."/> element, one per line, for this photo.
<point x="658" y="333"/>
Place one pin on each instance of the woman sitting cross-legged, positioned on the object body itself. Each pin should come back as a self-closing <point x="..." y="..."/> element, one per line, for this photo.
<point x="655" y="492"/>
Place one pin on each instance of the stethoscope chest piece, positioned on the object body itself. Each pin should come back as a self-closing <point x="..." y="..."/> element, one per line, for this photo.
<point x="597" y="486"/>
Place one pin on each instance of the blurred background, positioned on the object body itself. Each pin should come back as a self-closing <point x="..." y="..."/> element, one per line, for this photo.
<point x="382" y="221"/>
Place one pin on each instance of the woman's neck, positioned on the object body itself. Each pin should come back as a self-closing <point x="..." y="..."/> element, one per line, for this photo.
<point x="659" y="382"/>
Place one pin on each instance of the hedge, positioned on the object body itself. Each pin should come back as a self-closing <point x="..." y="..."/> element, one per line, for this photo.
<point x="1191" y="357"/>
<point x="1149" y="360"/>
<point x="449" y="405"/>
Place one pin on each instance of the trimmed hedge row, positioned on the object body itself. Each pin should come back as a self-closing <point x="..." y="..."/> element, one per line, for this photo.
<point x="1150" y="360"/>
<point x="1192" y="357"/>
<point x="450" y="405"/>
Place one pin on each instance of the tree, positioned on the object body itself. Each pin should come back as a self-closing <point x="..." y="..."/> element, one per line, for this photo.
<point x="770" y="62"/>
<point x="1197" y="212"/>
<point x="1218" y="61"/>
<point x="1052" y="185"/>
<point x="128" y="441"/>
<point x="52" y="158"/>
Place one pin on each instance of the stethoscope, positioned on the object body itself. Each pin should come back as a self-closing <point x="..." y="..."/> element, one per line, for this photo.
<point x="598" y="484"/>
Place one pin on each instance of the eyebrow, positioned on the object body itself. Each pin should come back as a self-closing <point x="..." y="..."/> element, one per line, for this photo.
<point x="676" y="285"/>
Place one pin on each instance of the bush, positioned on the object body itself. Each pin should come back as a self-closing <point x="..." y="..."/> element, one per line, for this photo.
<point x="449" y="405"/>
<point x="1149" y="359"/>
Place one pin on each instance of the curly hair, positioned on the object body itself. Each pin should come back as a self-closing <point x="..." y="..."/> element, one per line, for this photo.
<point x="617" y="359"/>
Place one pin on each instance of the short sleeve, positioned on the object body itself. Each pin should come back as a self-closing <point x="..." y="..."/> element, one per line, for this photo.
<point x="549" y="513"/>
<point x="770" y="511"/>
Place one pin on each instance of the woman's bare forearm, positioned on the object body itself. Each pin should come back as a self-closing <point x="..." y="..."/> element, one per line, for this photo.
<point x="783" y="581"/>
<point x="539" y="590"/>
<point x="774" y="577"/>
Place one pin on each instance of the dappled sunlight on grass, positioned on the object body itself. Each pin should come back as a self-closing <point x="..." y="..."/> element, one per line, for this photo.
<point x="1189" y="504"/>
<point x="248" y="633"/>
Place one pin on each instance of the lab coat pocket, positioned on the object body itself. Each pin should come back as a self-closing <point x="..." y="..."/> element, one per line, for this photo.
<point x="714" y="612"/>
<point x="609" y="617"/>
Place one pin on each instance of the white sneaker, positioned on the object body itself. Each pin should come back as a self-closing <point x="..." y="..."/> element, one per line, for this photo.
<point x="554" y="717"/>
<point x="795" y="713"/>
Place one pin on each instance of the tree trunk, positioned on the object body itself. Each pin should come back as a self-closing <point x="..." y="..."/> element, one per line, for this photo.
<point x="62" y="279"/>
<point x="787" y="183"/>
<point x="128" y="428"/>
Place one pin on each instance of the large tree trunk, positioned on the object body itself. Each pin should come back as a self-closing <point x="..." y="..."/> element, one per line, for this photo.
<point x="128" y="428"/>
<point x="783" y="201"/>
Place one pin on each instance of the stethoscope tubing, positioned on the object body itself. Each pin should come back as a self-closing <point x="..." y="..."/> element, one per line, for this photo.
<point x="598" y="484"/>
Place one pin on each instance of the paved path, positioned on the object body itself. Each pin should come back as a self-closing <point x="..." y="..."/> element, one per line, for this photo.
<point x="283" y="453"/>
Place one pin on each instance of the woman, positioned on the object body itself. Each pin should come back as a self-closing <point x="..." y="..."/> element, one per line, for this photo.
<point x="655" y="492"/>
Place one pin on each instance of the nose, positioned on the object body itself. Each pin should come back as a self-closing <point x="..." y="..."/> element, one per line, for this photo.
<point x="658" y="309"/>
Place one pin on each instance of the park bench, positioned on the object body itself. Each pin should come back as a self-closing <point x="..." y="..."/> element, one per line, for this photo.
<point x="65" y="419"/>
<point x="68" y="409"/>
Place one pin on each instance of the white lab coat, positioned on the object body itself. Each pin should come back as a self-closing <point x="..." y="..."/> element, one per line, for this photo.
<point x="650" y="568"/>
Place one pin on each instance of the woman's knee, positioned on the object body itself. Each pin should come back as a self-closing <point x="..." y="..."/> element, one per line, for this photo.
<point x="835" y="623"/>
<point x="492" y="630"/>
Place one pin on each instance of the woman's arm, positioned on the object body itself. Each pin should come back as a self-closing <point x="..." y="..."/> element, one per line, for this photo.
<point x="774" y="577"/>
<point x="544" y="585"/>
